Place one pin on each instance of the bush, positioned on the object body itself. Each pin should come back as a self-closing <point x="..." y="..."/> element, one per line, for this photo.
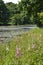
<point x="41" y="18"/>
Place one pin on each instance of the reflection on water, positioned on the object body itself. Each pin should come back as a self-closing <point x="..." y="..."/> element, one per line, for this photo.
<point x="7" y="33"/>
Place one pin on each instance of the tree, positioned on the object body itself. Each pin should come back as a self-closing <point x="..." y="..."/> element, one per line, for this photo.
<point x="33" y="7"/>
<point x="37" y="6"/>
<point x="14" y="11"/>
<point x="25" y="10"/>
<point x="41" y="18"/>
<point x="13" y="8"/>
<point x="4" y="13"/>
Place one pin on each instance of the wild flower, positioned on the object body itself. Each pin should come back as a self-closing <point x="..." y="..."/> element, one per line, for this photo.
<point x="29" y="48"/>
<point x="33" y="46"/>
<point x="40" y="35"/>
<point x="18" y="52"/>
<point x="7" y="49"/>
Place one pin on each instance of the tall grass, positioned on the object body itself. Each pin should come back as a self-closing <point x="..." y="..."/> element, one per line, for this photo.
<point x="26" y="49"/>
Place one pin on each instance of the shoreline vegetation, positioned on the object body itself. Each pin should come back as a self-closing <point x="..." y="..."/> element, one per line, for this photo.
<point x="24" y="49"/>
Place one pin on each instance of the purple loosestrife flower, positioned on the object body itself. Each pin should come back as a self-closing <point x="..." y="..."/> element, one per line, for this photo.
<point x="18" y="52"/>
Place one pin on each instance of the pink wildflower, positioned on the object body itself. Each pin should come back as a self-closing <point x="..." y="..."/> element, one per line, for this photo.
<point x="18" y="51"/>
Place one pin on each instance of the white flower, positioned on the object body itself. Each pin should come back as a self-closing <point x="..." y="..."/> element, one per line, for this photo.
<point x="7" y="49"/>
<point x="40" y="35"/>
<point x="33" y="46"/>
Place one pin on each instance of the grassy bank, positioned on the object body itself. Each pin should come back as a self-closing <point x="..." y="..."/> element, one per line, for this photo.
<point x="26" y="49"/>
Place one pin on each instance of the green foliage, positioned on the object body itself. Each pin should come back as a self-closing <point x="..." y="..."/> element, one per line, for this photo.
<point x="41" y="18"/>
<point x="14" y="11"/>
<point x="16" y="19"/>
<point x="25" y="12"/>
<point x="26" y="49"/>
<point x="20" y="19"/>
<point x="32" y="7"/>
<point x="13" y="8"/>
<point x="4" y="13"/>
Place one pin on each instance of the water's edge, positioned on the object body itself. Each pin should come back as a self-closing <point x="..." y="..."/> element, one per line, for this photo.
<point x="8" y="32"/>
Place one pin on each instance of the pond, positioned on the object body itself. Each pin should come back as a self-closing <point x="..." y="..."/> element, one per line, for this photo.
<point x="8" y="32"/>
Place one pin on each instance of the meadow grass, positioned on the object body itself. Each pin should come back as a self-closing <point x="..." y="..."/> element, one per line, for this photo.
<point x="26" y="49"/>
